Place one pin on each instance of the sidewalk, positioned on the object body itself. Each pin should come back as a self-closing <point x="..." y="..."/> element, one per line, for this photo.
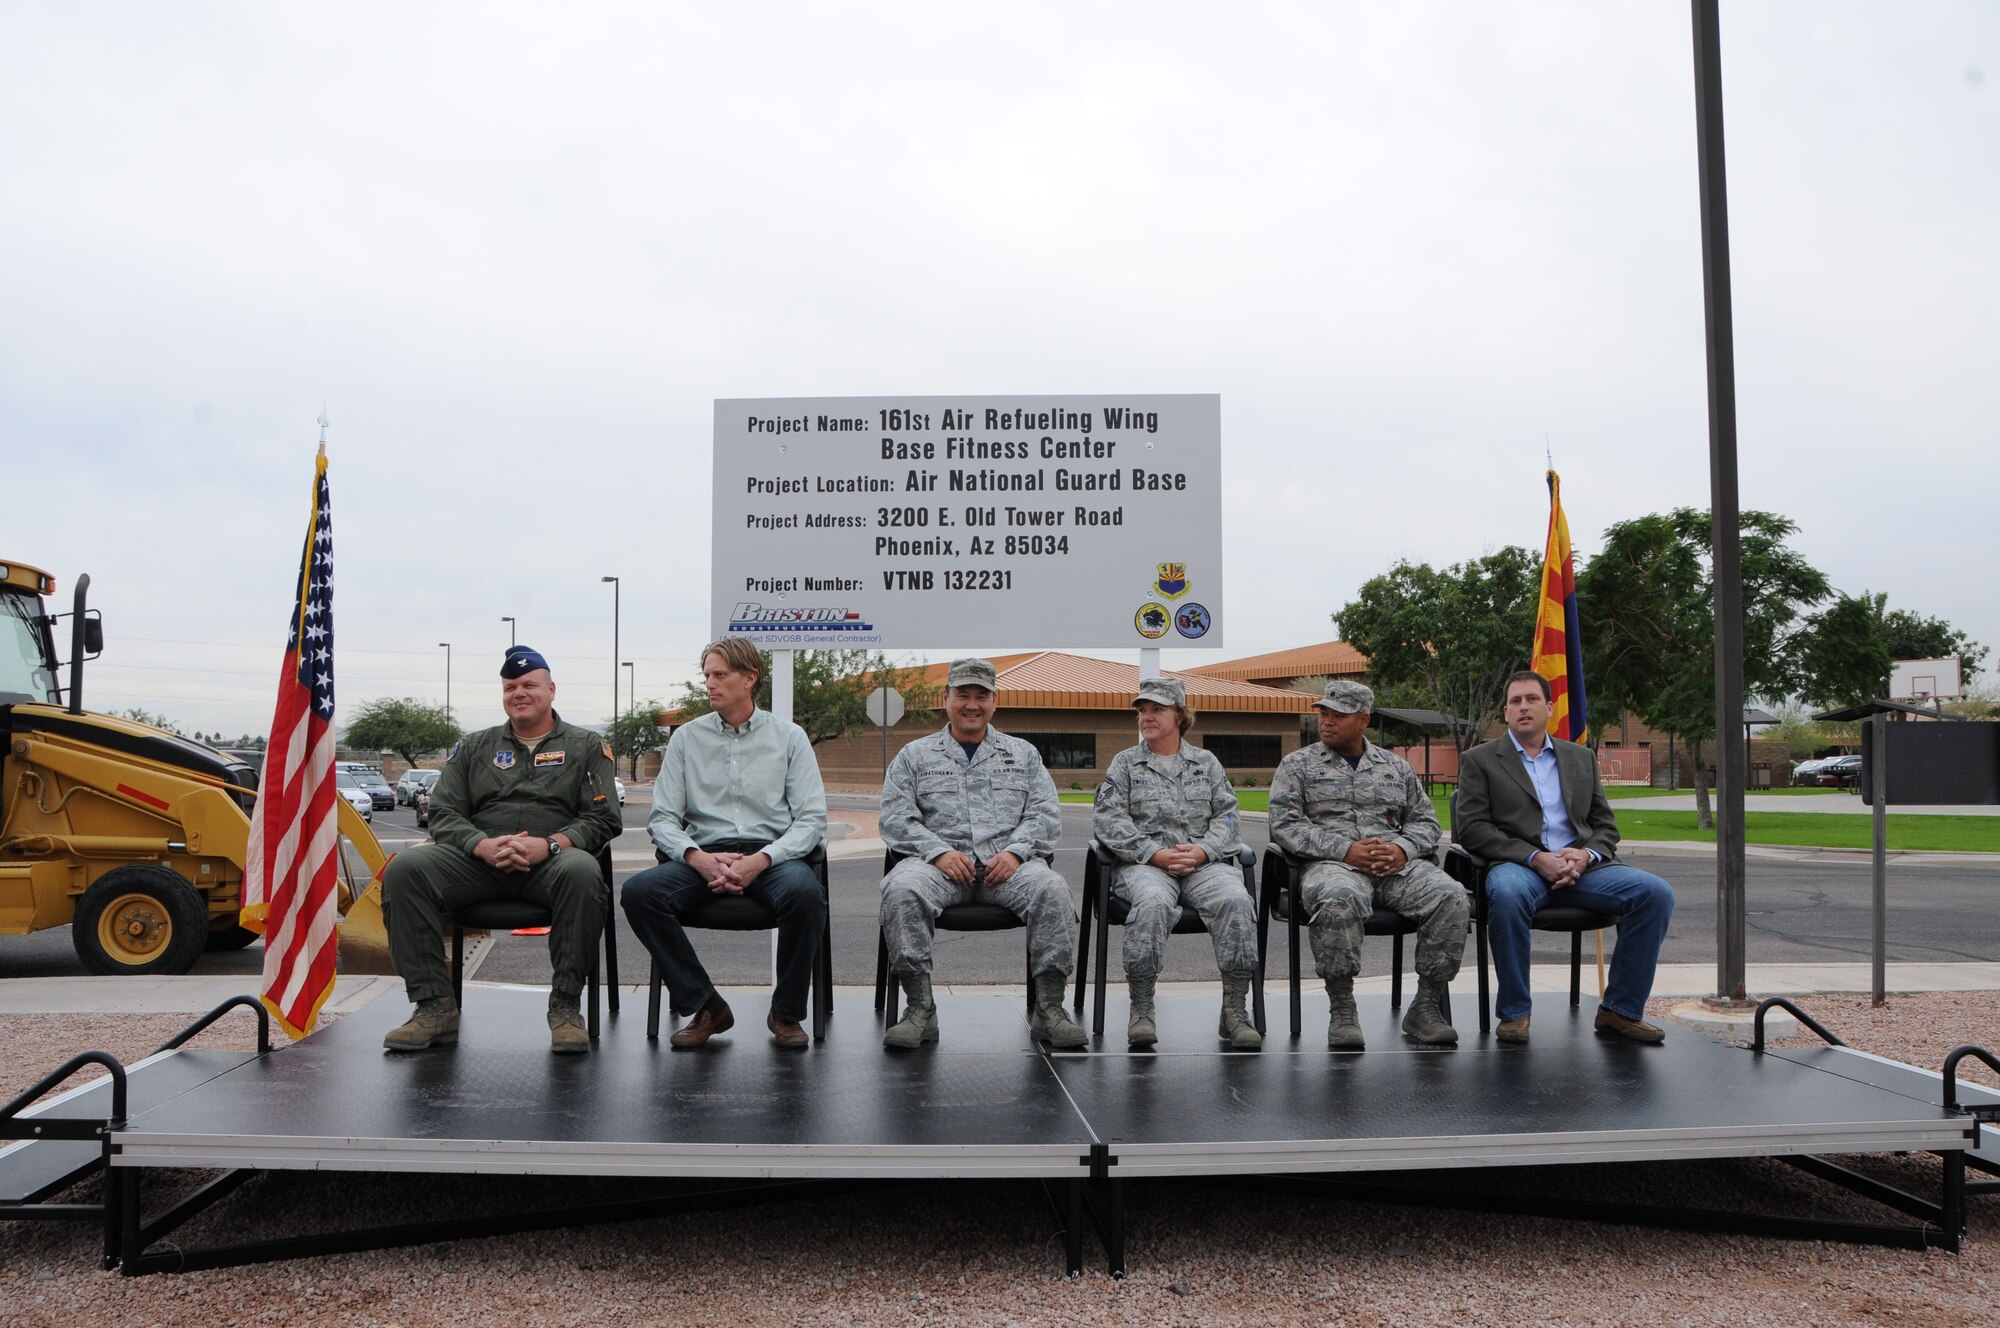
<point x="196" y="995"/>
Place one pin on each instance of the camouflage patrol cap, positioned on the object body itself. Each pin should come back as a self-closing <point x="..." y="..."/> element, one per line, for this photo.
<point x="1345" y="697"/>
<point x="971" y="673"/>
<point x="1161" y="691"/>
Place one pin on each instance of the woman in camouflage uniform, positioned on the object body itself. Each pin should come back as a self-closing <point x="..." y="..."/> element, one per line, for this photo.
<point x="1167" y="813"/>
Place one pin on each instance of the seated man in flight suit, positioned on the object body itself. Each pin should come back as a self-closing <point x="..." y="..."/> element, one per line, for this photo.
<point x="519" y="813"/>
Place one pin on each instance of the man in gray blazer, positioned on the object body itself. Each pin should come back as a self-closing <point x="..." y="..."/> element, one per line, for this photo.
<point x="1534" y="806"/>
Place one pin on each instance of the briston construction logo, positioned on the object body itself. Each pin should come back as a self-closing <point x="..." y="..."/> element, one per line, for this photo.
<point x="751" y="616"/>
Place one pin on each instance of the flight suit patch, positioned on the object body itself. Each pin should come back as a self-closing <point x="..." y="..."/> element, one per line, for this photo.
<point x="504" y="758"/>
<point x="548" y="758"/>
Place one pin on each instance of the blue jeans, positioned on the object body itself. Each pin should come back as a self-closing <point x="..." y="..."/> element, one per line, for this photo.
<point x="656" y="898"/>
<point x="1643" y="903"/>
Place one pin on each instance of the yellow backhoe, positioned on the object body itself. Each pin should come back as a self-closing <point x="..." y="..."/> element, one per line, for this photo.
<point x="132" y="836"/>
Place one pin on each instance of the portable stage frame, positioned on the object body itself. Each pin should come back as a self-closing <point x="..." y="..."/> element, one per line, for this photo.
<point x="742" y="1122"/>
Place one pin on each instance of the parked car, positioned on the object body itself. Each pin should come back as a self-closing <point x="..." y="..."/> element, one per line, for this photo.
<point x="371" y="779"/>
<point x="621" y="789"/>
<point x="423" y="805"/>
<point x="1840" y="772"/>
<point x="250" y="756"/>
<point x="349" y="786"/>
<point x="1806" y="772"/>
<point x="407" y="786"/>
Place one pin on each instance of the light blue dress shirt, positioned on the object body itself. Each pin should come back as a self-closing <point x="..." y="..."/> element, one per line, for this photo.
<point x="758" y="782"/>
<point x="1547" y="779"/>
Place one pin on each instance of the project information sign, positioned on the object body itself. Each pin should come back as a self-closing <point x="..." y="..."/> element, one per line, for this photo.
<point x="917" y="522"/>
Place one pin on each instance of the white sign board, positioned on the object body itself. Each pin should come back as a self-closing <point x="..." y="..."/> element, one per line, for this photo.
<point x="915" y="522"/>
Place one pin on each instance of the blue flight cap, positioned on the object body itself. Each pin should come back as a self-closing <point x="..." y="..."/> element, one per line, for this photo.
<point x="520" y="660"/>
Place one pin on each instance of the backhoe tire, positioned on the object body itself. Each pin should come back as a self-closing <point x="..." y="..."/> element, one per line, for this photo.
<point x="140" y="919"/>
<point x="231" y="937"/>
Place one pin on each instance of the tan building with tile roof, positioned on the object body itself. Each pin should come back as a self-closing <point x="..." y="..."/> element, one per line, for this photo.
<point x="1280" y="668"/>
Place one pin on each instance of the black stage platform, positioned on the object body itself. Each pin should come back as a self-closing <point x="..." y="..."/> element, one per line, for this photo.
<point x="989" y="1102"/>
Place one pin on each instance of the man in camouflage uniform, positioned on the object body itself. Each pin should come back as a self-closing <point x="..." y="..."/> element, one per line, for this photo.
<point x="1359" y="824"/>
<point x="975" y="815"/>
<point x="519" y="813"/>
<point x="1166" y="812"/>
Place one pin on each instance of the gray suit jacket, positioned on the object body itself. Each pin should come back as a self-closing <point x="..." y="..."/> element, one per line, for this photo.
<point x="1499" y="817"/>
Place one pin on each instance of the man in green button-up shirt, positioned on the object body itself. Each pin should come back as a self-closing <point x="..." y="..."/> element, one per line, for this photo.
<point x="519" y="813"/>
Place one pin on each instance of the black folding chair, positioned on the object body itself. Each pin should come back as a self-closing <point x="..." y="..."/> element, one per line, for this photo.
<point x="1469" y="870"/>
<point x="740" y="913"/>
<point x="509" y="914"/>
<point x="1282" y="883"/>
<point x="952" y="917"/>
<point x="1102" y="904"/>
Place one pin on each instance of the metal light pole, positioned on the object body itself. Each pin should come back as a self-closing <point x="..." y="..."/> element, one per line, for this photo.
<point x="447" y="680"/>
<point x="632" y="691"/>
<point x="615" y="589"/>
<point x="511" y="642"/>
<point x="1731" y="751"/>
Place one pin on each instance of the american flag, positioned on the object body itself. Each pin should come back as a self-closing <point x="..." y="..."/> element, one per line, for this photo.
<point x="291" y="870"/>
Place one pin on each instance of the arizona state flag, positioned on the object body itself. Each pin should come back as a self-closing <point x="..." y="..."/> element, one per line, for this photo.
<point x="1557" y="652"/>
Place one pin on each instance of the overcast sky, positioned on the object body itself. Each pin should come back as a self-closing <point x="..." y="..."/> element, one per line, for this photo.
<point x="519" y="251"/>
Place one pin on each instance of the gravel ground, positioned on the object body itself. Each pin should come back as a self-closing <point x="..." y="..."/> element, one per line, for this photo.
<point x="989" y="1253"/>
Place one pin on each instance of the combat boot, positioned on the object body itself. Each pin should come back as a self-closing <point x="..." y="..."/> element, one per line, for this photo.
<point x="1141" y="1032"/>
<point x="566" y="1029"/>
<point x="1051" y="1022"/>
<point x="1425" y="1021"/>
<point x="1235" y="1024"/>
<point x="434" y="1023"/>
<point x="919" y="1022"/>
<point x="1343" y="1029"/>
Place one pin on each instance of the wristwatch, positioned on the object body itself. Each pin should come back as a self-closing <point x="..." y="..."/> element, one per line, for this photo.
<point x="554" y="848"/>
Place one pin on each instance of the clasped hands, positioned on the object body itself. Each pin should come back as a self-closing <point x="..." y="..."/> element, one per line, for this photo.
<point x="519" y="852"/>
<point x="1561" y="866"/>
<point x="728" y="873"/>
<point x="961" y="869"/>
<point x="1181" y="859"/>
<point x="1376" y="857"/>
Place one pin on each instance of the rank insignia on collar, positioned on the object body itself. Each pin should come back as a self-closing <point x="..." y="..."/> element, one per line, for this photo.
<point x="504" y="758"/>
<point x="548" y="758"/>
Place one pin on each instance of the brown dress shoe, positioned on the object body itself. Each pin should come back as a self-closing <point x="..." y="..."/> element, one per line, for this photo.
<point x="1513" y="1030"/>
<point x="1612" y="1023"/>
<point x="785" y="1033"/>
<point x="705" y="1025"/>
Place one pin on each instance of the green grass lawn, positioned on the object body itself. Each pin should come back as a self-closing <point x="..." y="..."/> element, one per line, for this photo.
<point x="1933" y="834"/>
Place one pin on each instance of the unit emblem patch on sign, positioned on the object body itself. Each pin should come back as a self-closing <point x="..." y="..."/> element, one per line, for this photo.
<point x="1191" y="620"/>
<point x="1173" y="580"/>
<point x="1151" y="620"/>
